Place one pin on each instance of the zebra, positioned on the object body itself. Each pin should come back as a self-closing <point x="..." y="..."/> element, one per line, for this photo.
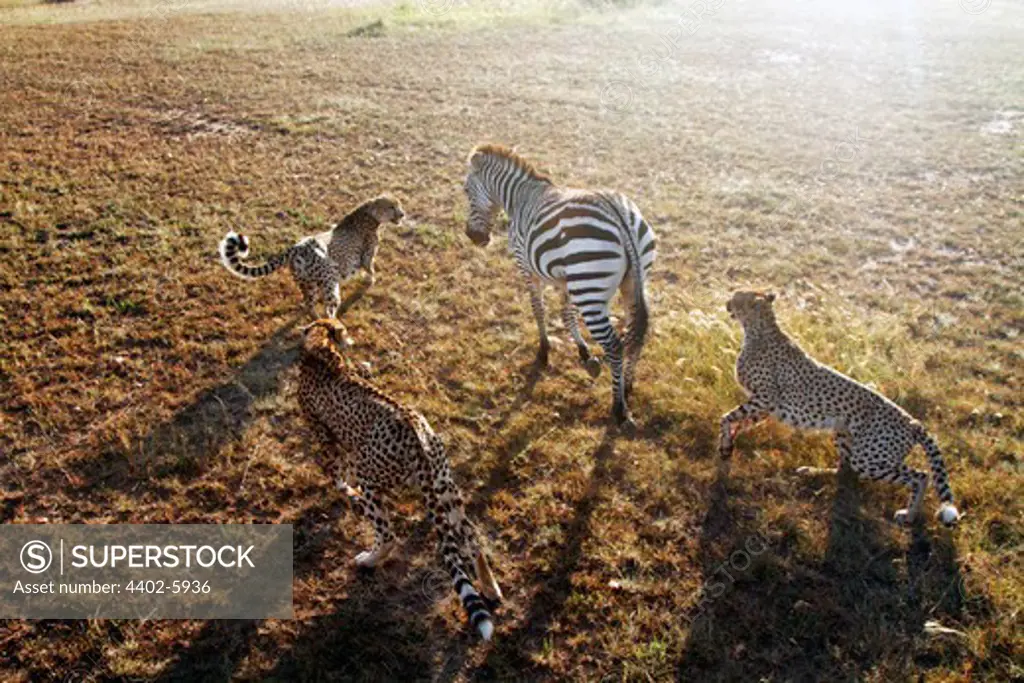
<point x="588" y="243"/>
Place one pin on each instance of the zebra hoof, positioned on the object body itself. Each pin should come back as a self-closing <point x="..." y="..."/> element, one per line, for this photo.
<point x="593" y="366"/>
<point x="542" y="357"/>
<point x="624" y="421"/>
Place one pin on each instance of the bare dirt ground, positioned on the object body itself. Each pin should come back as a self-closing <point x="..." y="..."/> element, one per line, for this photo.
<point x="865" y="162"/>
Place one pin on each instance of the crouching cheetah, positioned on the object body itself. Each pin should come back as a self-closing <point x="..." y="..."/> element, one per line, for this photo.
<point x="320" y="262"/>
<point x="872" y="434"/>
<point x="388" y="444"/>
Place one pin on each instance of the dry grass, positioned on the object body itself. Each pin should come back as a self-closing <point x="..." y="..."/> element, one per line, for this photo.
<point x="140" y="382"/>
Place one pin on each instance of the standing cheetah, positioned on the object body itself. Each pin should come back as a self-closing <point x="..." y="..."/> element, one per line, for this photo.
<point x="353" y="241"/>
<point x="872" y="434"/>
<point x="319" y="263"/>
<point x="388" y="444"/>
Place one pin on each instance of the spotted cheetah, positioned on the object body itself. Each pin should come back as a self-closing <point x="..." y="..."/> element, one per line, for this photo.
<point x="320" y="262"/>
<point x="872" y="434"/>
<point x="353" y="241"/>
<point x="358" y="426"/>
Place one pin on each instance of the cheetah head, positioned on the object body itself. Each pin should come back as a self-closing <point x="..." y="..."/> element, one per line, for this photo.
<point x="386" y="209"/>
<point x="323" y="332"/>
<point x="748" y="305"/>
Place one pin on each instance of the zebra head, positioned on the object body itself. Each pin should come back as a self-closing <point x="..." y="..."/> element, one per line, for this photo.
<point x="482" y="209"/>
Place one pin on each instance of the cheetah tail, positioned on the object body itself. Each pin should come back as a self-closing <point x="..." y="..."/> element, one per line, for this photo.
<point x="457" y="534"/>
<point x="234" y="247"/>
<point x="948" y="514"/>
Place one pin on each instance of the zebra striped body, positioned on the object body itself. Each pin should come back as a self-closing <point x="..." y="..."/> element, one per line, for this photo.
<point x="590" y="244"/>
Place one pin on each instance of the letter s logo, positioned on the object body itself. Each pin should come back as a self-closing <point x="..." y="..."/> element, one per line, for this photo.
<point x="36" y="557"/>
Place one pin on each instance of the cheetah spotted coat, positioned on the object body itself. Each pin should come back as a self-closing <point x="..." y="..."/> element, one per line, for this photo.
<point x="319" y="263"/>
<point x="872" y="434"/>
<point x="387" y="445"/>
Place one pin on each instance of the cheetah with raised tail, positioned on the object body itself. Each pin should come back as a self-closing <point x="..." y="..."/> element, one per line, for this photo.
<point x="872" y="434"/>
<point x="387" y="444"/>
<point x="320" y="262"/>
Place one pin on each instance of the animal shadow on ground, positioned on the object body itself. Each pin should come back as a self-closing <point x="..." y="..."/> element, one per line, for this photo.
<point x="211" y="655"/>
<point x="501" y="473"/>
<point x="353" y="297"/>
<point x="369" y="635"/>
<point x="768" y="613"/>
<point x="198" y="432"/>
<point x="378" y="628"/>
<point x="510" y="657"/>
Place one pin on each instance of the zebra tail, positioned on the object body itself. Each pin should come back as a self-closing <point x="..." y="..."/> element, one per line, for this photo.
<point x="455" y="533"/>
<point x="637" y="333"/>
<point x="234" y="247"/>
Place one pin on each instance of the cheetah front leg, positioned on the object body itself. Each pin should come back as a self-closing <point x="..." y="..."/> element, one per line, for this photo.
<point x="370" y="505"/>
<point x="332" y="297"/>
<point x="750" y="413"/>
<point x="308" y="297"/>
<point x="367" y="264"/>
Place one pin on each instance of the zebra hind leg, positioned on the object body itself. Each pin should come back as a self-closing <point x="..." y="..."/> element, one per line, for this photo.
<point x="633" y="347"/>
<point x="595" y="315"/>
<point x="569" y="319"/>
<point x="537" y="304"/>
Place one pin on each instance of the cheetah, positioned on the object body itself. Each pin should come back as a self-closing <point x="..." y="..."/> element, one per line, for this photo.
<point x="872" y="434"/>
<point x="320" y="262"/>
<point x="360" y="427"/>
<point x="353" y="241"/>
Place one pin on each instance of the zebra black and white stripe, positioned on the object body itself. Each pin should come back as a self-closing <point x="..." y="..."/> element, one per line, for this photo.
<point x="588" y="243"/>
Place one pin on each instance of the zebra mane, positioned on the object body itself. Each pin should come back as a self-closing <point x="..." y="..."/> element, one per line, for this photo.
<point x="506" y="153"/>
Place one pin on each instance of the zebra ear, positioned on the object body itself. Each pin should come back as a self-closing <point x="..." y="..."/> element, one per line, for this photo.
<point x="771" y="297"/>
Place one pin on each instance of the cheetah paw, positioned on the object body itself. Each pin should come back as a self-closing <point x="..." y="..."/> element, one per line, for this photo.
<point x="343" y="486"/>
<point x="814" y="471"/>
<point x="371" y="558"/>
<point x="903" y="517"/>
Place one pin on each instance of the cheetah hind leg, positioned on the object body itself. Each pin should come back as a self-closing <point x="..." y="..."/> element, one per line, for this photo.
<point x="918" y="482"/>
<point x="368" y="506"/>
